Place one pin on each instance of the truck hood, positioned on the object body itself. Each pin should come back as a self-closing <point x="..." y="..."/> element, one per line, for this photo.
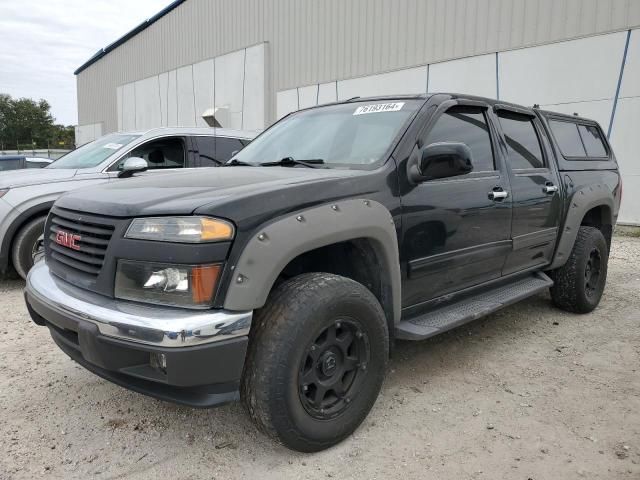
<point x="27" y="177"/>
<point x="226" y="191"/>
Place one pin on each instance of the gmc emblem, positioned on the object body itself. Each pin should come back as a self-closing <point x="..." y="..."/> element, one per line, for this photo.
<point x="69" y="240"/>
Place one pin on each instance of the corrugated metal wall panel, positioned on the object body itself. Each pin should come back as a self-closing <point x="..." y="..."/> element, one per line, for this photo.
<point x="312" y="41"/>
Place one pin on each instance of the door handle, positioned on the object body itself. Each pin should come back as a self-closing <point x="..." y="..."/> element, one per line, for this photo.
<point x="498" y="194"/>
<point x="550" y="188"/>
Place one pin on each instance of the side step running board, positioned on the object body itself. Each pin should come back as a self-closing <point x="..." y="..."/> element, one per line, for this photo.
<point x="450" y="316"/>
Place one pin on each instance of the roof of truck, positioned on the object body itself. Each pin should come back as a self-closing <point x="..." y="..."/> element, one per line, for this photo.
<point x="490" y="101"/>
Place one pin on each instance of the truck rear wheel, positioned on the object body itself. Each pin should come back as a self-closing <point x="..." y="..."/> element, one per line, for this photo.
<point x="579" y="283"/>
<point x="316" y="362"/>
<point x="28" y="246"/>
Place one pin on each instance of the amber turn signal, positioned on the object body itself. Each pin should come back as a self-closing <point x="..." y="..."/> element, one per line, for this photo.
<point x="204" y="280"/>
<point x="214" y="229"/>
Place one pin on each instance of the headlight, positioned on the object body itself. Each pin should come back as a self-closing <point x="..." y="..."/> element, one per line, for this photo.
<point x="181" y="229"/>
<point x="3" y="192"/>
<point x="190" y="286"/>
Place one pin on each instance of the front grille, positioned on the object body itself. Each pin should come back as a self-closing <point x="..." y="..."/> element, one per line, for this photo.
<point x="94" y="234"/>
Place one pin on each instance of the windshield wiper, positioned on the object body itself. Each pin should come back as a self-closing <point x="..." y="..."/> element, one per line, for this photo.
<point x="291" y="162"/>
<point x="234" y="162"/>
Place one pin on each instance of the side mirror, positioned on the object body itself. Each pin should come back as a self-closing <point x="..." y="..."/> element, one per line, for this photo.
<point x="444" y="159"/>
<point x="133" y="165"/>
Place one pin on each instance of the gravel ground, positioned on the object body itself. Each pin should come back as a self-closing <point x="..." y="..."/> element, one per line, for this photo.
<point x="528" y="393"/>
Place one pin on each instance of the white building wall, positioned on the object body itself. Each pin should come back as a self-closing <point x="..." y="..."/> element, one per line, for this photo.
<point x="472" y="75"/>
<point x="625" y="134"/>
<point x="87" y="133"/>
<point x="320" y="41"/>
<point x="566" y="72"/>
<point x="327" y="93"/>
<point x="410" y="80"/>
<point x="203" y="88"/>
<point x="147" y="106"/>
<point x="576" y="76"/>
<point x="234" y="82"/>
<point x="287" y="101"/>
<point x="308" y="96"/>
<point x="185" y="98"/>
<point x="254" y="112"/>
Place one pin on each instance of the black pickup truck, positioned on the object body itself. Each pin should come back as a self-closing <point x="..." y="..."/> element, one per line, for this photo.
<point x="284" y="278"/>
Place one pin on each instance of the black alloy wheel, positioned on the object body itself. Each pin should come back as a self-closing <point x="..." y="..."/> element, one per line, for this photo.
<point x="592" y="273"/>
<point x="333" y="369"/>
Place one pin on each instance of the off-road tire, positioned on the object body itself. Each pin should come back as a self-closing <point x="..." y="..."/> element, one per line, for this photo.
<point x="569" y="291"/>
<point x="23" y="244"/>
<point x="281" y="334"/>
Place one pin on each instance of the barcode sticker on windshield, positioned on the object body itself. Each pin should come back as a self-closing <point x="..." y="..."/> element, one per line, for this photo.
<point x="113" y="146"/>
<point x="379" y="107"/>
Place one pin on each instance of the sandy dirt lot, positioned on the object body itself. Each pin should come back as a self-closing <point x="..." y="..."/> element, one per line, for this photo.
<point x="528" y="393"/>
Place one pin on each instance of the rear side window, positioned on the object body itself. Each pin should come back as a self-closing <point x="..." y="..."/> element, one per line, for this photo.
<point x="217" y="150"/>
<point x="568" y="138"/>
<point x="592" y="140"/>
<point x="226" y="147"/>
<point x="522" y="139"/>
<point x="9" y="164"/>
<point x="467" y="125"/>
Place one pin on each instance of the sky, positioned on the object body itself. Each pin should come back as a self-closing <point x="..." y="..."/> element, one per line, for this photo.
<point x="42" y="42"/>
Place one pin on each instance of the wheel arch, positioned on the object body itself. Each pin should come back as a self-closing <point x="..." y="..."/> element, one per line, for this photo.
<point x="6" y="248"/>
<point x="591" y="205"/>
<point x="600" y="217"/>
<point x="364" y="224"/>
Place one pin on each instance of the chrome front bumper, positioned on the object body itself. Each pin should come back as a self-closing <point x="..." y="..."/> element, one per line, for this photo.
<point x="150" y="325"/>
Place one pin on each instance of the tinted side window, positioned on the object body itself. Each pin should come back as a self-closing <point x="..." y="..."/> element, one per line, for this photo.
<point x="35" y="164"/>
<point x="467" y="125"/>
<point x="226" y="147"/>
<point x="214" y="151"/>
<point x="568" y="138"/>
<point x="522" y="140"/>
<point x="159" y="154"/>
<point x="592" y="140"/>
<point x="9" y="164"/>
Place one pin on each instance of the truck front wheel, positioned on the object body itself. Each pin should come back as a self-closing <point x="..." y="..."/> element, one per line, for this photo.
<point x="316" y="362"/>
<point x="579" y="283"/>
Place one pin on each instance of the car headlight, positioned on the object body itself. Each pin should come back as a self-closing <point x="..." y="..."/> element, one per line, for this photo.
<point x="3" y="192"/>
<point x="190" y="286"/>
<point x="181" y="229"/>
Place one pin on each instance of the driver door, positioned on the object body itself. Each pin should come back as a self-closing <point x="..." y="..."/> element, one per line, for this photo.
<point x="456" y="231"/>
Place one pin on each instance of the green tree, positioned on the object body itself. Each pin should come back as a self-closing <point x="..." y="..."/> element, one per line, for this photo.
<point x="25" y="123"/>
<point x="63" y="137"/>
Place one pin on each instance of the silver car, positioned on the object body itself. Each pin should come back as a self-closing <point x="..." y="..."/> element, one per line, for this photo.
<point x="27" y="195"/>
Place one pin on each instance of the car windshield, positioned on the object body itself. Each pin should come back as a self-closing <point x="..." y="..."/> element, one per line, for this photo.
<point x="352" y="135"/>
<point x="94" y="153"/>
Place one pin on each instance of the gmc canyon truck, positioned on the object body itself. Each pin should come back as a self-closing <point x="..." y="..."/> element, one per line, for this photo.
<point x="284" y="278"/>
<point x="27" y="195"/>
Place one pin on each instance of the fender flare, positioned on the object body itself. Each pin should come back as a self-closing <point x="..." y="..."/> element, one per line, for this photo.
<point x="268" y="252"/>
<point x="580" y="203"/>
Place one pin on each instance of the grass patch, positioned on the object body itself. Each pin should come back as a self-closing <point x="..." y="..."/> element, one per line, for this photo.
<point x="627" y="231"/>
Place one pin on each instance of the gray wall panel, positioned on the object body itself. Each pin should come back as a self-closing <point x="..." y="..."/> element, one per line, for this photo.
<point x="313" y="41"/>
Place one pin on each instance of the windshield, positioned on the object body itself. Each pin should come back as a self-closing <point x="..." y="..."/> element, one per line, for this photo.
<point x="352" y="135"/>
<point x="94" y="153"/>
